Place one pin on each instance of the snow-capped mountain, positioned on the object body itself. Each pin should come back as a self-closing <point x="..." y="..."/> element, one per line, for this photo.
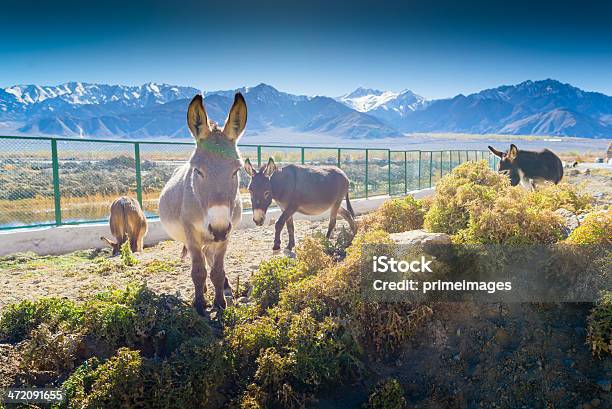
<point x="389" y="106"/>
<point x="151" y="110"/>
<point x="368" y="99"/>
<point x="545" y="107"/>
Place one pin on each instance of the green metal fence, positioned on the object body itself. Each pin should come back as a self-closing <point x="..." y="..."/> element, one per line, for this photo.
<point x="48" y="181"/>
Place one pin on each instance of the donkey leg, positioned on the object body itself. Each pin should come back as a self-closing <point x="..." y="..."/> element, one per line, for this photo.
<point x="347" y="216"/>
<point x="333" y="215"/>
<point x="217" y="273"/>
<point x="280" y="223"/>
<point x="198" y="275"/>
<point x="291" y="231"/>
<point x="211" y="256"/>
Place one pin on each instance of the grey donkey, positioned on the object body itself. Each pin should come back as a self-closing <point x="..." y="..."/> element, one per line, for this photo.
<point x="528" y="167"/>
<point x="308" y="190"/>
<point x="201" y="202"/>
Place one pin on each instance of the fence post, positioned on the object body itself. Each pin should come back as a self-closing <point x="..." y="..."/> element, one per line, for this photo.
<point x="339" y="157"/>
<point x="430" y="166"/>
<point x="366" y="174"/>
<point x="420" y="169"/>
<point x="302" y="155"/>
<point x="389" y="172"/>
<point x="138" y="174"/>
<point x="258" y="156"/>
<point x="405" y="172"/>
<point x="441" y="166"/>
<point x="56" y="188"/>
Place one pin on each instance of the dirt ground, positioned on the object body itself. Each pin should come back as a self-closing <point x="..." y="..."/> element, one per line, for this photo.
<point x="79" y="274"/>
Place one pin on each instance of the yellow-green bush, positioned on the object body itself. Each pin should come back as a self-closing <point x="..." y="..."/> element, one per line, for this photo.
<point x="563" y="195"/>
<point x="596" y="228"/>
<point x="600" y="326"/>
<point x="395" y="216"/>
<point x="388" y="394"/>
<point x="311" y="256"/>
<point x="510" y="219"/>
<point x="477" y="205"/>
<point x="469" y="186"/>
<point x="272" y="276"/>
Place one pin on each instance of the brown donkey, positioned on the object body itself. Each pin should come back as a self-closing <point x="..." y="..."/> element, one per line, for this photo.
<point x="127" y="221"/>
<point x="308" y="190"/>
<point x="200" y="203"/>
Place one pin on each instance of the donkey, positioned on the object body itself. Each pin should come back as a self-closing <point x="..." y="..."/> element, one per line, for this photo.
<point x="526" y="167"/>
<point x="200" y="203"/>
<point x="308" y="190"/>
<point x="127" y="222"/>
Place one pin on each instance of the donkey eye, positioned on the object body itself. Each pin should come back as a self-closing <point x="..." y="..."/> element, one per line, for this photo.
<point x="267" y="194"/>
<point x="198" y="172"/>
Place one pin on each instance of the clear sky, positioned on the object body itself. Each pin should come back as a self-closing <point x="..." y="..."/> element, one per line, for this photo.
<point x="435" y="48"/>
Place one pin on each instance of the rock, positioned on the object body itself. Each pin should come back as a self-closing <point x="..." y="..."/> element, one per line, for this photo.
<point x="570" y="221"/>
<point x="595" y="403"/>
<point x="605" y="385"/>
<point x="420" y="237"/>
<point x="243" y="300"/>
<point x="436" y="244"/>
<point x="587" y="171"/>
<point x="573" y="172"/>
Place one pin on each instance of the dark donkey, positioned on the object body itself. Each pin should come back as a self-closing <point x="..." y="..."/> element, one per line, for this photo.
<point x="308" y="190"/>
<point x="527" y="167"/>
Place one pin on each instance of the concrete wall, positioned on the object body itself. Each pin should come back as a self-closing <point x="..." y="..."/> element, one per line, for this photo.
<point x="64" y="239"/>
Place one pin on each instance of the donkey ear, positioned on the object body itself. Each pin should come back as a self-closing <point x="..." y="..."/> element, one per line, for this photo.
<point x="270" y="168"/>
<point x="513" y="151"/>
<point x="249" y="168"/>
<point x="236" y="120"/>
<point x="496" y="152"/>
<point x="197" y="120"/>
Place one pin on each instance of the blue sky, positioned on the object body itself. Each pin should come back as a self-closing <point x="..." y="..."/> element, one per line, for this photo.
<point x="435" y="48"/>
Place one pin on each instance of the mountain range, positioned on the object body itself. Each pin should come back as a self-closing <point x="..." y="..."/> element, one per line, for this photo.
<point x="75" y="109"/>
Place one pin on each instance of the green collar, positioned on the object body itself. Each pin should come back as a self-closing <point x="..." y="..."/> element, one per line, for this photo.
<point x="223" y="150"/>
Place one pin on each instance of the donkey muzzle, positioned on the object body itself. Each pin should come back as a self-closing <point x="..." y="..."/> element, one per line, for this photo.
<point x="220" y="234"/>
<point x="259" y="216"/>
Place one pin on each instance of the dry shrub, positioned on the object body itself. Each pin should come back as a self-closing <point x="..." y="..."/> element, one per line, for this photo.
<point x="311" y="256"/>
<point x="395" y="216"/>
<point x="478" y="205"/>
<point x="388" y="394"/>
<point x="470" y="185"/>
<point x="49" y="351"/>
<point x="600" y="326"/>
<point x="561" y="196"/>
<point x="595" y="229"/>
<point x="511" y="220"/>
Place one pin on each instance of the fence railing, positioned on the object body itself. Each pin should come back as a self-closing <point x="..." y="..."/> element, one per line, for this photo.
<point x="46" y="181"/>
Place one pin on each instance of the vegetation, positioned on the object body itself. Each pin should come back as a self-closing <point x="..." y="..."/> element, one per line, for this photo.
<point x="600" y="326"/>
<point x="395" y="216"/>
<point x="595" y="229"/>
<point x="477" y="205"/>
<point x="388" y="394"/>
<point x="305" y="328"/>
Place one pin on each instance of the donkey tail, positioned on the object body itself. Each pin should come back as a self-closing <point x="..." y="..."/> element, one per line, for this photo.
<point x="348" y="206"/>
